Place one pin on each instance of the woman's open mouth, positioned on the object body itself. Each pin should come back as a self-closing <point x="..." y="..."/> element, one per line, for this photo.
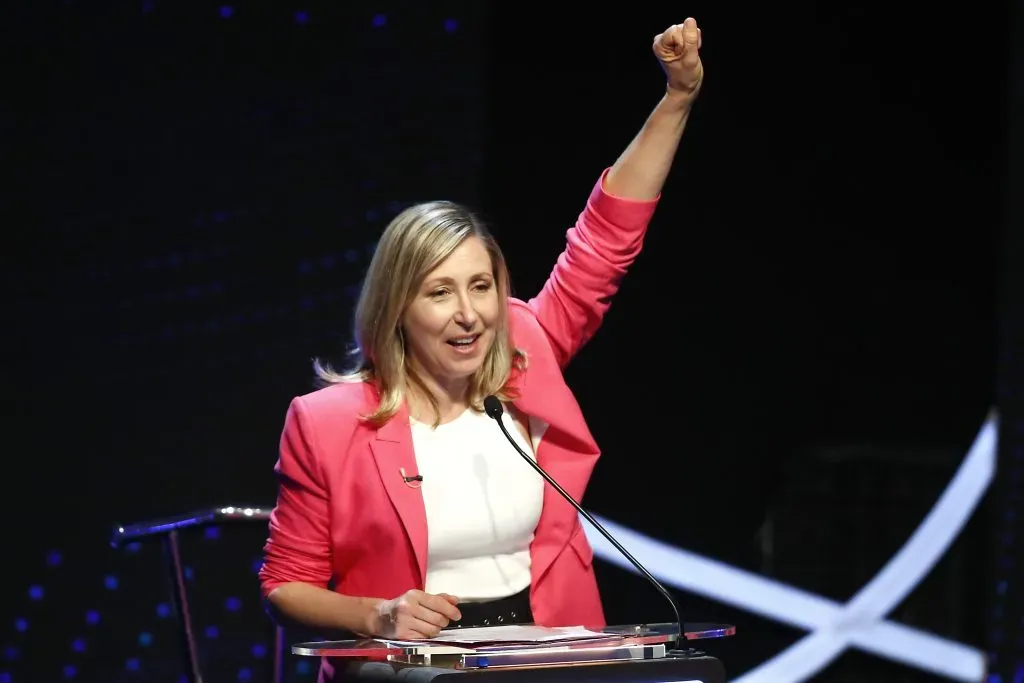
<point x="465" y="344"/>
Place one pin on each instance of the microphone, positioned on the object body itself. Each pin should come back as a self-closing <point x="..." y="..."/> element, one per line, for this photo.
<point x="494" y="410"/>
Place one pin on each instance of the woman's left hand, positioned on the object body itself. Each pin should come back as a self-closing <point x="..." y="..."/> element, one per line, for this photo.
<point x="678" y="50"/>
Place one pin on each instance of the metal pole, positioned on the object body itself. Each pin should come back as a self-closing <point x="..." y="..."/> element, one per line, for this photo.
<point x="187" y="641"/>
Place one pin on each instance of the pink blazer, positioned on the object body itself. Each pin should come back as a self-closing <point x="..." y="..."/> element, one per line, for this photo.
<point x="345" y="515"/>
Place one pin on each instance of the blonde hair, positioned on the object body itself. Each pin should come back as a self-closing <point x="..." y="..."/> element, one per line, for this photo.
<point x="416" y="242"/>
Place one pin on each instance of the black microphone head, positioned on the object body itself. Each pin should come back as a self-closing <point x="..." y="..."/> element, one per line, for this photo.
<point x="493" y="408"/>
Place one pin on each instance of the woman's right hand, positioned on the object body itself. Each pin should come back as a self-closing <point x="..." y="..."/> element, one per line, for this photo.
<point x="414" y="615"/>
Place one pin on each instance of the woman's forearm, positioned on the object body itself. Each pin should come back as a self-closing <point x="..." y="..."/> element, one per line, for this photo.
<point x="317" y="607"/>
<point x="641" y="169"/>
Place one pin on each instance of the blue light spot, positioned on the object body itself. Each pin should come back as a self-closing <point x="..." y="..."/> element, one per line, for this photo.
<point x="163" y="610"/>
<point x="35" y="593"/>
<point x="232" y="604"/>
<point x="92" y="617"/>
<point x="220" y="216"/>
<point x="11" y="653"/>
<point x="70" y="671"/>
<point x="1001" y="588"/>
<point x="78" y="645"/>
<point x="110" y="581"/>
<point x="5" y="677"/>
<point x="257" y="565"/>
<point x="451" y="25"/>
<point x="145" y="639"/>
<point x="305" y="268"/>
<point x="307" y="303"/>
<point x="303" y="668"/>
<point x="380" y="20"/>
<point x="133" y="547"/>
<point x="244" y="674"/>
<point x="212" y="632"/>
<point x="189" y="574"/>
<point x="226" y="12"/>
<point x="212" y="532"/>
<point x="259" y="651"/>
<point x="302" y="18"/>
<point x="148" y="6"/>
<point x="21" y="625"/>
<point x="53" y="558"/>
<point x="132" y="664"/>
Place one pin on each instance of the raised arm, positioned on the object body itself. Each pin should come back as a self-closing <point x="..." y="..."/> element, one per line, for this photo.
<point x="641" y="170"/>
<point x="609" y="233"/>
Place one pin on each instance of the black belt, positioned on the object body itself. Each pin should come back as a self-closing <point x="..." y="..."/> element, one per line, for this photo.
<point x="515" y="609"/>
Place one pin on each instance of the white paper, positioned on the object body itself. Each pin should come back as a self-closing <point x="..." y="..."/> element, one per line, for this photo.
<point x="515" y="634"/>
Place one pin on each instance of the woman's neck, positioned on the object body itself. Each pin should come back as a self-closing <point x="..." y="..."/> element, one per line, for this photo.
<point x="451" y="401"/>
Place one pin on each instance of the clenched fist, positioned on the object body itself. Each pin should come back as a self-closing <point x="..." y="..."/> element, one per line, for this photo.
<point x="414" y="615"/>
<point x="678" y="50"/>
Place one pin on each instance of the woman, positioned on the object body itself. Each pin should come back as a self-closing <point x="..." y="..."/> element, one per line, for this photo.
<point x="395" y="490"/>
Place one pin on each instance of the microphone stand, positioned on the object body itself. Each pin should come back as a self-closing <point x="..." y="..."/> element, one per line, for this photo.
<point x="494" y="410"/>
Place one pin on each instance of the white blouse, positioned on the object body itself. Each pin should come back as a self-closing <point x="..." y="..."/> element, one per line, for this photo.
<point x="483" y="503"/>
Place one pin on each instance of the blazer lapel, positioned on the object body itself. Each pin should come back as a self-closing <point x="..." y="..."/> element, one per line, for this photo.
<point x="567" y="452"/>
<point x="393" y="454"/>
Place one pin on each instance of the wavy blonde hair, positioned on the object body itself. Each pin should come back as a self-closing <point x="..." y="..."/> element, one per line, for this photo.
<point x="416" y="242"/>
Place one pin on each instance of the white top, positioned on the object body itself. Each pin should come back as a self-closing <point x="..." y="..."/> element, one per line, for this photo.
<point x="483" y="503"/>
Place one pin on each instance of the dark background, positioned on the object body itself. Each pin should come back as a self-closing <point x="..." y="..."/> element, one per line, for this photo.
<point x="195" y="191"/>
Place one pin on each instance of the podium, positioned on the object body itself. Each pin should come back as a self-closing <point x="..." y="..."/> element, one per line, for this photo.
<point x="638" y="653"/>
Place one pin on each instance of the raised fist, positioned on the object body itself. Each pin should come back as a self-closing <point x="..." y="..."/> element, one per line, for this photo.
<point x="678" y="50"/>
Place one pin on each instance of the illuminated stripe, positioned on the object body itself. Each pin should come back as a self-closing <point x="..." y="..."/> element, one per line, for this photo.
<point x="835" y="627"/>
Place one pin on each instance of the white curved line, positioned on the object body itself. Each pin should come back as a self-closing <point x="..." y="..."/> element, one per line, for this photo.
<point x="836" y="627"/>
<point x="892" y="584"/>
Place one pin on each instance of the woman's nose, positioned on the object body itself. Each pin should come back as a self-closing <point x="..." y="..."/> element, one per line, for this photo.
<point x="466" y="314"/>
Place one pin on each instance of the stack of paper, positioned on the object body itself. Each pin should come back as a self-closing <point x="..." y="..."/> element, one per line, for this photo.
<point x="462" y="640"/>
<point x="514" y="635"/>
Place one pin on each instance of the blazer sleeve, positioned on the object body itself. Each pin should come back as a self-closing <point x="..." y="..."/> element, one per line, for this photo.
<point x="298" y="548"/>
<point x="600" y="247"/>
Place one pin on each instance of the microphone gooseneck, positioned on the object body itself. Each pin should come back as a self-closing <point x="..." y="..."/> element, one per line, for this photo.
<point x="494" y="410"/>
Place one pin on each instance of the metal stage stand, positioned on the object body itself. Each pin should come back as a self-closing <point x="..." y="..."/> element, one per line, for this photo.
<point x="167" y="531"/>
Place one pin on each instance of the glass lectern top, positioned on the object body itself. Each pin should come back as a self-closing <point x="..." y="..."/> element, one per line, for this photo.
<point x="607" y="637"/>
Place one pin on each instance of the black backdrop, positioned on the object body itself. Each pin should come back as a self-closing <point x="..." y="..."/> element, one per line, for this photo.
<point x="1005" y="603"/>
<point x="197" y="189"/>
